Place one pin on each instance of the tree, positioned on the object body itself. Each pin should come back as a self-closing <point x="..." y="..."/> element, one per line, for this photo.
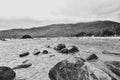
<point x="107" y="33"/>
<point x="26" y="37"/>
<point x="89" y="34"/>
<point x="80" y="34"/>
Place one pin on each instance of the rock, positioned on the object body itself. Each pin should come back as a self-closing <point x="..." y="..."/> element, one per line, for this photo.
<point x="36" y="52"/>
<point x="73" y="49"/>
<point x="6" y="73"/>
<point x="96" y="73"/>
<point x="48" y="46"/>
<point x="64" y="51"/>
<point x="60" y="47"/>
<point x="103" y="66"/>
<point x="25" y="64"/>
<point x="114" y="66"/>
<point x="115" y="63"/>
<point x="24" y="54"/>
<point x="105" y="52"/>
<point x="25" y="61"/>
<point x="45" y="52"/>
<point x="79" y="69"/>
<point x="52" y="55"/>
<point x="66" y="70"/>
<point x="92" y="57"/>
<point x="110" y="53"/>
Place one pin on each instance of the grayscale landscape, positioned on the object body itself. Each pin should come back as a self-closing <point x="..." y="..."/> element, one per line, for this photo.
<point x="59" y="39"/>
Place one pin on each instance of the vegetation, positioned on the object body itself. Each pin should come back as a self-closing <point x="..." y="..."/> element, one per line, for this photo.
<point x="95" y="28"/>
<point x="102" y="33"/>
<point x="26" y="36"/>
<point x="108" y="33"/>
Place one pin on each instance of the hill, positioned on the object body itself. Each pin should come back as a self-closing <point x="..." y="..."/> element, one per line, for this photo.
<point x="96" y="28"/>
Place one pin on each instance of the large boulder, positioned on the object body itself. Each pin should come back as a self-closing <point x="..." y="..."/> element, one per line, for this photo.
<point x="77" y="69"/>
<point x="6" y="73"/>
<point x="80" y="69"/>
<point x="66" y="70"/>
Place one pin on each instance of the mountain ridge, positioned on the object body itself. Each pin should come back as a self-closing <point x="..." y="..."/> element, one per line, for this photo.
<point x="65" y="30"/>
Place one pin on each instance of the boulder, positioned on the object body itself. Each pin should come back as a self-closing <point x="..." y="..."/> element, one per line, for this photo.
<point x="45" y="52"/>
<point x="24" y="54"/>
<point x="64" y="51"/>
<point x="73" y="49"/>
<point x="60" y="47"/>
<point x="6" y="73"/>
<point x="66" y="70"/>
<point x="92" y="57"/>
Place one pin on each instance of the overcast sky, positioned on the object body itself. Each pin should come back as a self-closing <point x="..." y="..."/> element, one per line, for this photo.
<point x="80" y="10"/>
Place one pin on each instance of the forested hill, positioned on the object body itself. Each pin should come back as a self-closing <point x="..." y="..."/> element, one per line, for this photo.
<point x="96" y="28"/>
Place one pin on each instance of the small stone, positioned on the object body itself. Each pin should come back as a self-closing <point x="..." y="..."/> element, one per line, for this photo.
<point x="24" y="54"/>
<point x="36" y="52"/>
<point x="45" y="52"/>
<point x="52" y="55"/>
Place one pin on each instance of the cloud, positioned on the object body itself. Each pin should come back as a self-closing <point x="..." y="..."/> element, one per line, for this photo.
<point x="60" y="9"/>
<point x="91" y="9"/>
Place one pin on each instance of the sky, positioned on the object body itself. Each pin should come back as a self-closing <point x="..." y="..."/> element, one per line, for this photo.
<point x="72" y="10"/>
